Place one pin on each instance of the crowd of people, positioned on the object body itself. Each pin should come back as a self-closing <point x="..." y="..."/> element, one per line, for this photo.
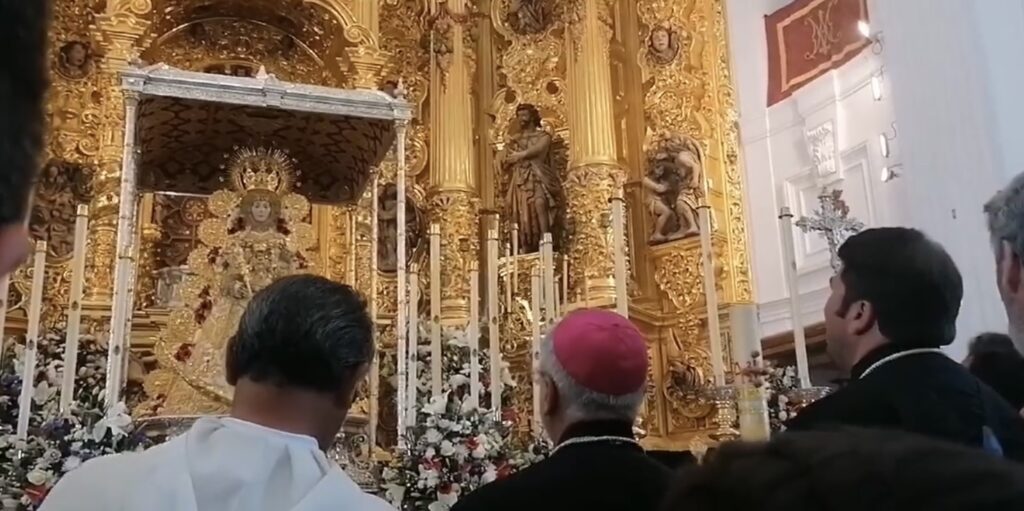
<point x="911" y="430"/>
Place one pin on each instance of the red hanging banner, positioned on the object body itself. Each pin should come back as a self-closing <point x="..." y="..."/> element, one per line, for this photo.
<point x="808" y="38"/>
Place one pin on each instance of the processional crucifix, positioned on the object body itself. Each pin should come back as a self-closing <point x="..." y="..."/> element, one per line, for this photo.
<point x="831" y="221"/>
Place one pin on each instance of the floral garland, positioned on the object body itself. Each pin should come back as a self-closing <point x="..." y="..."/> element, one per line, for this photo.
<point x="56" y="444"/>
<point x="454" y="447"/>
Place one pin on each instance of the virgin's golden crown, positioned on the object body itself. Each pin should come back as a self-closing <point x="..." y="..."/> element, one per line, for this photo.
<point x="261" y="168"/>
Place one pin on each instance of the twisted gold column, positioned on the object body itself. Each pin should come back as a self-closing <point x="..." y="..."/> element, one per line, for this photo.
<point x="117" y="32"/>
<point x="594" y="175"/>
<point x="454" y="202"/>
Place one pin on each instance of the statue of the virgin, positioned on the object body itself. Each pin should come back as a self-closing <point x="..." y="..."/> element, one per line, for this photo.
<point x="258" y="234"/>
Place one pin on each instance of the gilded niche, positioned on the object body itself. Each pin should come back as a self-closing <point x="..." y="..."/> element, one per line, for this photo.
<point x="532" y="166"/>
<point x="61" y="188"/>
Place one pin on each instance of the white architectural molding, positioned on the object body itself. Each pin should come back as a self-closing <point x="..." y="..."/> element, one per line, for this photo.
<point x="821" y="145"/>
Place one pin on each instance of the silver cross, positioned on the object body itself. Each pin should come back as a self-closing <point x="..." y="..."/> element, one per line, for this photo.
<point x="831" y="221"/>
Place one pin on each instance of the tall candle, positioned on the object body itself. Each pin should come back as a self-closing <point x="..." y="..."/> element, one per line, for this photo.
<point x="509" y="264"/>
<point x="711" y="295"/>
<point x="413" y="373"/>
<point x="565" y="278"/>
<point x="795" y="313"/>
<point x="435" y="311"/>
<point x="515" y="252"/>
<point x="474" y="334"/>
<point x="4" y="289"/>
<point x="67" y="388"/>
<point x="745" y="332"/>
<point x="535" y="345"/>
<point x="492" y="322"/>
<point x="619" y="246"/>
<point x="35" y="310"/>
<point x="549" y="279"/>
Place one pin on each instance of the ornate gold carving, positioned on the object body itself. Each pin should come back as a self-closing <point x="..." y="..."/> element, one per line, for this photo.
<point x="675" y="185"/>
<point x="588" y="189"/>
<point x="456" y="212"/>
<point x="60" y="189"/>
<point x="387" y="232"/>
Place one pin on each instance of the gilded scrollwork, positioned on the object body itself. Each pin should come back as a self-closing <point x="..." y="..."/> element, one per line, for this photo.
<point x="61" y="188"/>
<point x="588" y="190"/>
<point x="457" y="214"/>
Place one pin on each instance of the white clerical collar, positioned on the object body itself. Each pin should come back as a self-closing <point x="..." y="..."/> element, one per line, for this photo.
<point x="897" y="356"/>
<point x="284" y="436"/>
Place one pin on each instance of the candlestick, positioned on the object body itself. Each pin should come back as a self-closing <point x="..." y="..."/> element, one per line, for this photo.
<point x="35" y="310"/>
<point x="515" y="252"/>
<point x="619" y="239"/>
<point x="548" y="277"/>
<point x="413" y="379"/>
<point x="492" y="322"/>
<point x="474" y="334"/>
<point x="435" y="311"/>
<point x="535" y="345"/>
<point x="67" y="388"/>
<point x="711" y="295"/>
<point x="795" y="313"/>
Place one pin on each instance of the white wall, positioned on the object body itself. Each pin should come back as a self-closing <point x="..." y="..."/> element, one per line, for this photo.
<point x="953" y="83"/>
<point x="779" y="168"/>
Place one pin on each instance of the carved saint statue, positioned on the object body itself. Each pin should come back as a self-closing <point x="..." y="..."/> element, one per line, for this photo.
<point x="674" y="184"/>
<point x="258" y="234"/>
<point x="60" y="189"/>
<point x="529" y="16"/>
<point x="533" y="198"/>
<point x="663" y="44"/>
<point x="387" y="231"/>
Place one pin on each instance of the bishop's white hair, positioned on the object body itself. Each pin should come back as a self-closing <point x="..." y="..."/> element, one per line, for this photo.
<point x="582" y="402"/>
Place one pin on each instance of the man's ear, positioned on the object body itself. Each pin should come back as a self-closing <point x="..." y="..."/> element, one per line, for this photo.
<point x="15" y="247"/>
<point x="862" y="317"/>
<point x="550" y="393"/>
<point x="1009" y="270"/>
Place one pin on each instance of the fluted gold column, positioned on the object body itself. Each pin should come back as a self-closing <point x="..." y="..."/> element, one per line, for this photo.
<point x="594" y="175"/>
<point x="116" y="31"/>
<point x="454" y="200"/>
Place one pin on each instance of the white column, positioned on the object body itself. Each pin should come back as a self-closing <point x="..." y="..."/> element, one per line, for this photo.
<point x="402" y="324"/>
<point x="793" y="286"/>
<point x="35" y="310"/>
<point x="125" y="265"/>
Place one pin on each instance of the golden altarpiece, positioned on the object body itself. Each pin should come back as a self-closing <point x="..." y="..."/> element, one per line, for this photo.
<point x="527" y="116"/>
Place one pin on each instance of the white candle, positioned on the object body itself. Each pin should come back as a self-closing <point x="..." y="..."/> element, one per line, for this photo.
<point x="435" y="311"/>
<point x="565" y="278"/>
<point x="789" y="264"/>
<point x="492" y="322"/>
<point x="4" y="289"/>
<point x="509" y="264"/>
<point x="548" y="277"/>
<point x="711" y="296"/>
<point x="35" y="310"/>
<point x="474" y="334"/>
<point x="535" y="346"/>
<point x="745" y="332"/>
<point x="67" y="388"/>
<point x="413" y="380"/>
<point x="515" y="252"/>
<point x="619" y="246"/>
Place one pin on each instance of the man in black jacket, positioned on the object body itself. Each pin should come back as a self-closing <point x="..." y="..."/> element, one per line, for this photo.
<point x="894" y="303"/>
<point x="592" y="373"/>
<point x="23" y="82"/>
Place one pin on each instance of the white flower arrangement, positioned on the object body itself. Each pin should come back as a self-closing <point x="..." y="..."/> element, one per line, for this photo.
<point x="455" y="446"/>
<point x="56" y="444"/>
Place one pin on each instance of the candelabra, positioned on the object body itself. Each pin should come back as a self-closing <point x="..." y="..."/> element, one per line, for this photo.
<point x="724" y="398"/>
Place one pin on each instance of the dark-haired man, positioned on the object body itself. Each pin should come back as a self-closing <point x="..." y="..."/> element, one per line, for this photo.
<point x="23" y="83"/>
<point x="303" y="346"/>
<point x="894" y="304"/>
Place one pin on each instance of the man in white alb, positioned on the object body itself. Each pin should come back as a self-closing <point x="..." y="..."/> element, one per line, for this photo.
<point x="302" y="347"/>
